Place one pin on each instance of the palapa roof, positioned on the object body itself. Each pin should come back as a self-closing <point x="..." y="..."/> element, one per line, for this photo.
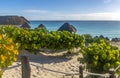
<point x="41" y="26"/>
<point x="25" y="19"/>
<point x="25" y="25"/>
<point x="67" y="27"/>
<point x="13" y="20"/>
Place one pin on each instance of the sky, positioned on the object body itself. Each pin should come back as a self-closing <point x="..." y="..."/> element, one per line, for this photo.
<point x="62" y="9"/>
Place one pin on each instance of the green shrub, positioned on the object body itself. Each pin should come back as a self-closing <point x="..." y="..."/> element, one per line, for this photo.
<point x="100" y="57"/>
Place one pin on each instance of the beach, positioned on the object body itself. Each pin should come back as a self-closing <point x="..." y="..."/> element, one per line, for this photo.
<point x="46" y="65"/>
<point x="51" y="30"/>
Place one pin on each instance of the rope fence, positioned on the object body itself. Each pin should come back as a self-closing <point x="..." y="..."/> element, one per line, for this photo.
<point x="73" y="73"/>
<point x="117" y="68"/>
<point x="66" y="73"/>
<point x="25" y="67"/>
<point x="11" y="67"/>
<point x="96" y="74"/>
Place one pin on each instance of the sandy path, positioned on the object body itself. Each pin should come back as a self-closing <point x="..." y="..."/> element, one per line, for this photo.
<point x="48" y="61"/>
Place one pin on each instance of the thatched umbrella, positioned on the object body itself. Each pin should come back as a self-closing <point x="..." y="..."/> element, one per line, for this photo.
<point x="67" y="27"/>
<point x="25" y="19"/>
<point x="12" y="20"/>
<point x="41" y="26"/>
<point x="25" y="25"/>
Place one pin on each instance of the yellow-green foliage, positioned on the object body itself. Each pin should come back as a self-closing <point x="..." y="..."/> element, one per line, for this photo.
<point x="32" y="39"/>
<point x="102" y="56"/>
<point x="8" y="52"/>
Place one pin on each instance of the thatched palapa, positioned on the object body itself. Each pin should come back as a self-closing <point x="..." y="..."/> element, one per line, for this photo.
<point x="67" y="27"/>
<point x="25" y="25"/>
<point x="13" y="20"/>
<point x="25" y="19"/>
<point x="41" y="26"/>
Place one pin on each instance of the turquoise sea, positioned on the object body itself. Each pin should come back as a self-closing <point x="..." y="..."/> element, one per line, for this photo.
<point x="109" y="29"/>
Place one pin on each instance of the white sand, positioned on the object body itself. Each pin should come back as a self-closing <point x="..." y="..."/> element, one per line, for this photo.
<point x="51" y="62"/>
<point x="48" y="61"/>
<point x="116" y="44"/>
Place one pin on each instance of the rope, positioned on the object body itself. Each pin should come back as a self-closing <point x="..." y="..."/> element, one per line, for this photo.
<point x="10" y="67"/>
<point x="73" y="73"/>
<point x="96" y="74"/>
<point x="66" y="73"/>
<point x="117" y="68"/>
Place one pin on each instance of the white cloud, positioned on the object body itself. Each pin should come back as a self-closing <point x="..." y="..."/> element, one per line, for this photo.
<point x="88" y="16"/>
<point x="32" y="14"/>
<point x="107" y="1"/>
<point x="52" y="15"/>
<point x="97" y="16"/>
<point x="34" y="11"/>
<point x="110" y="1"/>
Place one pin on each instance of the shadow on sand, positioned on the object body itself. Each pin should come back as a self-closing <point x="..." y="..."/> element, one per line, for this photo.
<point x="46" y="58"/>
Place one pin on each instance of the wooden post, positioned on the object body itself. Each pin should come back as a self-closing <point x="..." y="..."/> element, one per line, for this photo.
<point x="112" y="73"/>
<point x="80" y="71"/>
<point x="72" y="76"/>
<point x="25" y="67"/>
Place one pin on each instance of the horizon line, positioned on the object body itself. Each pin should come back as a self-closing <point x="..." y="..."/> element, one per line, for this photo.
<point x="74" y="20"/>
